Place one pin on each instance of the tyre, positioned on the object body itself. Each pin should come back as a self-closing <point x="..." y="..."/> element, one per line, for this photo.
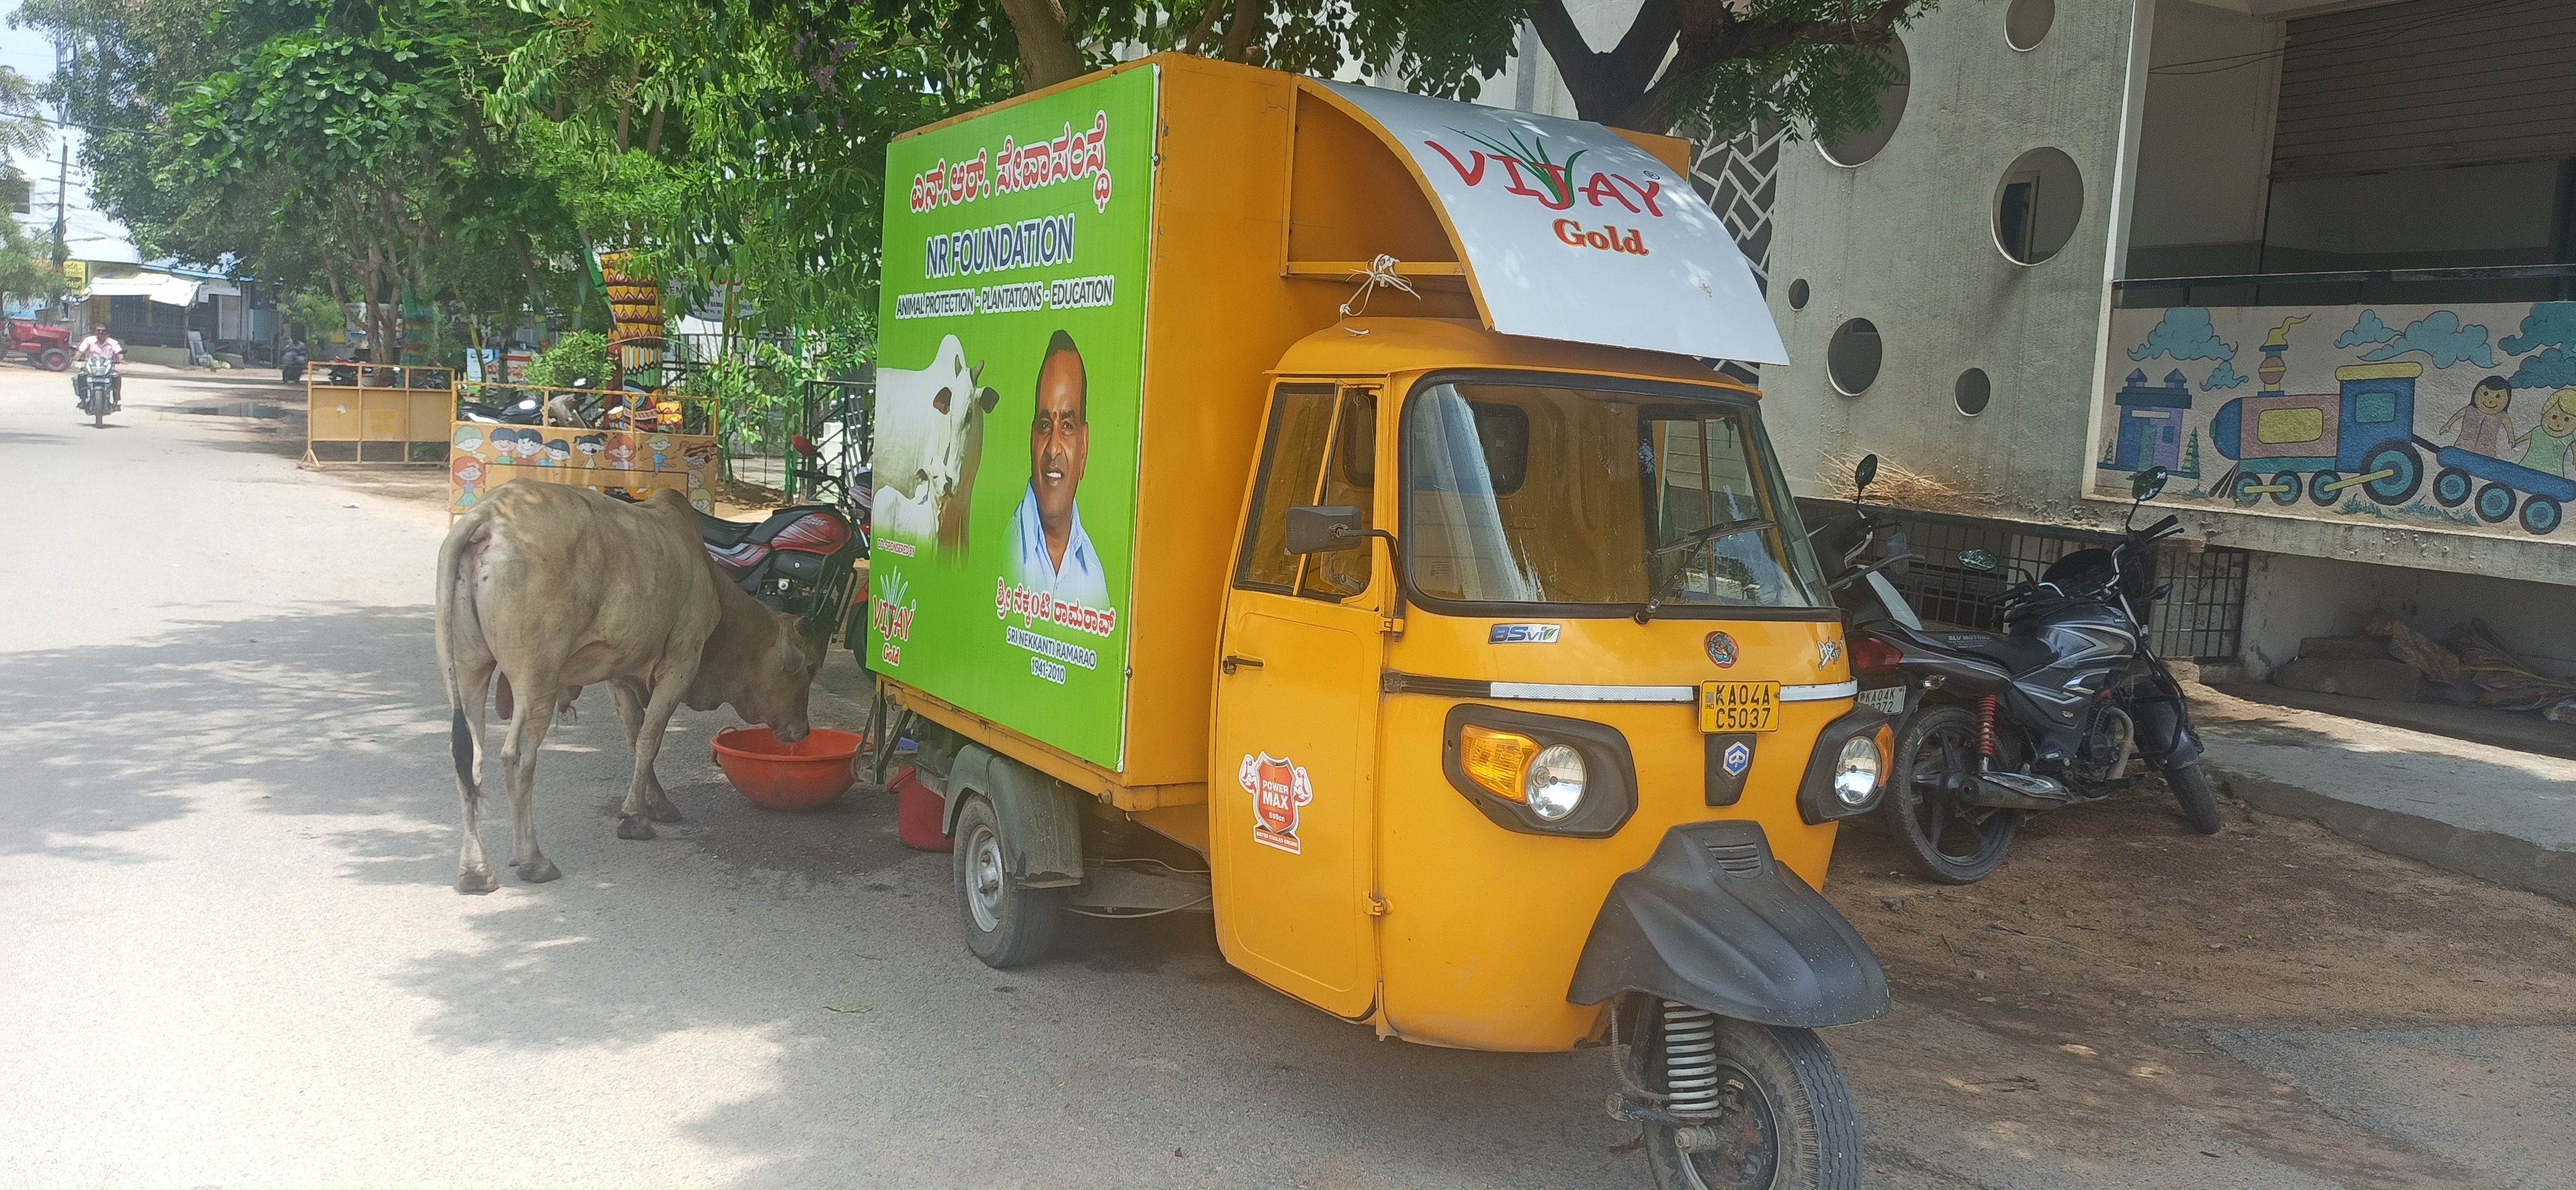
<point x="2495" y="503"/>
<point x="2191" y="791"/>
<point x="1006" y="925"/>
<point x="2319" y="493"/>
<point x="2405" y="471"/>
<point x="55" y="359"/>
<point x="2451" y="488"/>
<point x="1947" y="841"/>
<point x="2286" y="487"/>
<point x="1784" y="1115"/>
<point x="2540" y="514"/>
<point x="2243" y="488"/>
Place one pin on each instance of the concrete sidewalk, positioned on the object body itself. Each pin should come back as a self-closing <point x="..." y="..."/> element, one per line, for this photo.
<point x="2495" y="813"/>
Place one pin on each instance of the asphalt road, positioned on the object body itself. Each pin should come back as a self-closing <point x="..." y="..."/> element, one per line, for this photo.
<point x="232" y="955"/>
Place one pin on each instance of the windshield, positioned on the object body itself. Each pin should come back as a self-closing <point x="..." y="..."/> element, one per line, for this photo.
<point x="1524" y="493"/>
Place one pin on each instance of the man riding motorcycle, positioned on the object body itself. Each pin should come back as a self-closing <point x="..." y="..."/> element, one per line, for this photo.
<point x="100" y="345"/>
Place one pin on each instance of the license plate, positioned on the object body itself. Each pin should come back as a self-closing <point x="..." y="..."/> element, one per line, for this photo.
<point x="1739" y="706"/>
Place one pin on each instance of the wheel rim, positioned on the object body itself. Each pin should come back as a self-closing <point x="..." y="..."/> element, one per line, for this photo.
<point x="1940" y="766"/>
<point x="2540" y="514"/>
<point x="1748" y="1132"/>
<point x="2495" y="502"/>
<point x="2318" y="492"/>
<point x="2451" y="488"/>
<point x="984" y="879"/>
<point x="2289" y="482"/>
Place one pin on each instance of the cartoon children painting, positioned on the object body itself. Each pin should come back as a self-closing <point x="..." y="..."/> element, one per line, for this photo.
<point x="2552" y="437"/>
<point x="468" y="471"/>
<point x="2484" y="427"/>
<point x="469" y="440"/>
<point x="621" y="452"/>
<point x="529" y="444"/>
<point x="661" y="446"/>
<point x="590" y="445"/>
<point x="558" y="453"/>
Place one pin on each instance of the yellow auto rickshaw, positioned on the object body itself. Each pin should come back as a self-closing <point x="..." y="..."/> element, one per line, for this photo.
<point x="1390" y="539"/>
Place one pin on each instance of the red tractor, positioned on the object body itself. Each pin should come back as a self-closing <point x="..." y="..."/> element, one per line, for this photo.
<point x="47" y="346"/>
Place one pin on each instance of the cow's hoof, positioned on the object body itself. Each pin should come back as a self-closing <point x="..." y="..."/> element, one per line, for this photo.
<point x="476" y="882"/>
<point x="539" y="871"/>
<point x="666" y="812"/>
<point x="634" y="826"/>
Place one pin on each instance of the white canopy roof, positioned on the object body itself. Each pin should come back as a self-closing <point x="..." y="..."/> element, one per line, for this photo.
<point x="160" y="287"/>
<point x="1571" y="232"/>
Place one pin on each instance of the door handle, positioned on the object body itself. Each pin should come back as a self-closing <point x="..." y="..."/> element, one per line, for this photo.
<point x="1233" y="660"/>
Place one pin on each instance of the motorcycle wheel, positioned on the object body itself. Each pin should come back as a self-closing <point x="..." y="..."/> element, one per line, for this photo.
<point x="1787" y="1120"/>
<point x="1946" y="841"/>
<point x="2191" y="789"/>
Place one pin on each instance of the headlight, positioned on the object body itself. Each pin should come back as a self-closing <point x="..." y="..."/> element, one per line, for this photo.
<point x="1856" y="770"/>
<point x="1554" y="787"/>
<point x="1496" y="760"/>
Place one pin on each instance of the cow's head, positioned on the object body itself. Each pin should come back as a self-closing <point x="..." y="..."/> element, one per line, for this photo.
<point x="961" y="405"/>
<point x="774" y="688"/>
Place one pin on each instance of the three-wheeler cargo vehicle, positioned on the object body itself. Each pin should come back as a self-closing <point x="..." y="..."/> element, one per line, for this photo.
<point x="1539" y="744"/>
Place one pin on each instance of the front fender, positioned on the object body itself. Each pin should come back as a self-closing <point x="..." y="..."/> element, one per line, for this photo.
<point x="1713" y="921"/>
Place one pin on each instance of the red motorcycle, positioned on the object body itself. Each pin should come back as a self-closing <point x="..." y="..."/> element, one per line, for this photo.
<point x="48" y="347"/>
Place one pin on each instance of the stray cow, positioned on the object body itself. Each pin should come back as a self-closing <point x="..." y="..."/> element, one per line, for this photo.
<point x="929" y="431"/>
<point x="557" y="587"/>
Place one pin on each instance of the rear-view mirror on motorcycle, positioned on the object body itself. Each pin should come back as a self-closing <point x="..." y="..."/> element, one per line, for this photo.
<point x="2145" y="484"/>
<point x="1863" y="474"/>
<point x="1977" y="560"/>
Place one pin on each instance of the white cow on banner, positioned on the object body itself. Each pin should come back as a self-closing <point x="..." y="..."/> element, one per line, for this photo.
<point x="929" y="432"/>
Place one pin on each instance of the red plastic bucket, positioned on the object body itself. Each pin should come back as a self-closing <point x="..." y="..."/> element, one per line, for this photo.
<point x="917" y="811"/>
<point x="781" y="776"/>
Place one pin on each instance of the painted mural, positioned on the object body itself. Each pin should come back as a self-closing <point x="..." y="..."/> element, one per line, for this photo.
<point x="2456" y="416"/>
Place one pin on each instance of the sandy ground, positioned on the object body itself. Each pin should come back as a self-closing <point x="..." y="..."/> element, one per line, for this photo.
<point x="227" y="834"/>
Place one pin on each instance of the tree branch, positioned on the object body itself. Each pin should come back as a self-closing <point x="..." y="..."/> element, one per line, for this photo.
<point x="1047" y="53"/>
<point x="1239" y="29"/>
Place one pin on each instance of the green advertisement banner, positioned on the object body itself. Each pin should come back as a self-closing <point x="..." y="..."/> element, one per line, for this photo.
<point x="1009" y="379"/>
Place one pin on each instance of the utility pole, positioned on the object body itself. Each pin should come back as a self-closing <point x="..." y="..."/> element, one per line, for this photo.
<point x="63" y="175"/>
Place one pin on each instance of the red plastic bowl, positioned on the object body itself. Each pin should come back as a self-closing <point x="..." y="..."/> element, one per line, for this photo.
<point x="798" y="776"/>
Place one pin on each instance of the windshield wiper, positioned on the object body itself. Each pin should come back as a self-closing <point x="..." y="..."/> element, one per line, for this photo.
<point x="1695" y="537"/>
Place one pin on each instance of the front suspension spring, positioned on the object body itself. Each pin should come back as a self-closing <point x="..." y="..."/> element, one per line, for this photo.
<point x="1690" y="1061"/>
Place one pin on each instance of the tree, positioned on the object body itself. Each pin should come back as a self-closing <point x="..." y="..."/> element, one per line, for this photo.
<point x="1718" y="66"/>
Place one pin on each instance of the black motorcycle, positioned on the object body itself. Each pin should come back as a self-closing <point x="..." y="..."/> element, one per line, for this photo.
<point x="2066" y="706"/>
<point x="98" y="388"/>
<point x="290" y="362"/>
<point x="801" y="559"/>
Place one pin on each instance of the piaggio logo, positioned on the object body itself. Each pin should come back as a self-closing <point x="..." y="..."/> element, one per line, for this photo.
<point x="1739" y="757"/>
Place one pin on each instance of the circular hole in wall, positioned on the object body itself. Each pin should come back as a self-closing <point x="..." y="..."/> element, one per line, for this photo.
<point x="1972" y="391"/>
<point x="1852" y="357"/>
<point x="1858" y="147"/>
<point x="2037" y="205"/>
<point x="1798" y="294"/>
<point x="2027" y="22"/>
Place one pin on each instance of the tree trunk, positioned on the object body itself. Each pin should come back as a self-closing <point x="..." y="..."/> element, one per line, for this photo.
<point x="1047" y="53"/>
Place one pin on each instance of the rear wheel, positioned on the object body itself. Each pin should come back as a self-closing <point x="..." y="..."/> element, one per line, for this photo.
<point x="2540" y="514"/>
<point x="1769" y="1106"/>
<point x="2398" y="471"/>
<point x="2495" y="503"/>
<point x="1945" y="838"/>
<point x="2451" y="488"/>
<point x="1007" y="925"/>
<point x="2191" y="791"/>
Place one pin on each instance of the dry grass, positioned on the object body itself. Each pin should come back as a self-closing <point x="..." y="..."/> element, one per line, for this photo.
<point x="1901" y="485"/>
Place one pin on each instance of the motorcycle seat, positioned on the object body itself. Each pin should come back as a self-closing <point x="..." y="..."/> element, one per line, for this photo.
<point x="2017" y="654"/>
<point x="718" y="531"/>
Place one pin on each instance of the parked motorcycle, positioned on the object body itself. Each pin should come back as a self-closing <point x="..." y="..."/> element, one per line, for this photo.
<point x="801" y="559"/>
<point x="97" y="386"/>
<point x="290" y="362"/>
<point x="2066" y="706"/>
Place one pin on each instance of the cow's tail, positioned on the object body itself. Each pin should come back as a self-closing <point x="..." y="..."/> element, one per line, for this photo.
<point x="459" y="622"/>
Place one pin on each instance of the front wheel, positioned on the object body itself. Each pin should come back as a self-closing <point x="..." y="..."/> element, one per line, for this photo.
<point x="2191" y="791"/>
<point x="1769" y="1103"/>
<point x="1945" y="838"/>
<point x="1007" y="924"/>
<point x="55" y="359"/>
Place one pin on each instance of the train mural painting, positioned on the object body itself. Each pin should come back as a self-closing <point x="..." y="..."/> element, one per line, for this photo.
<point x="2400" y="414"/>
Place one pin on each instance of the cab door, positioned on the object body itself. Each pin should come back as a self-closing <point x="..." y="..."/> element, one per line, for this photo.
<point x="1292" y="783"/>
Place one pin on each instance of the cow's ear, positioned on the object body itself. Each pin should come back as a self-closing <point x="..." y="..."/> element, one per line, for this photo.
<point x="940" y="402"/>
<point x="791" y="656"/>
<point x="988" y="398"/>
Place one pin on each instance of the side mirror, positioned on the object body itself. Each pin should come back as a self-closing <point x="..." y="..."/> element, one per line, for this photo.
<point x="1863" y="474"/>
<point x="1976" y="560"/>
<point x="2145" y="484"/>
<point x="1324" y="529"/>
